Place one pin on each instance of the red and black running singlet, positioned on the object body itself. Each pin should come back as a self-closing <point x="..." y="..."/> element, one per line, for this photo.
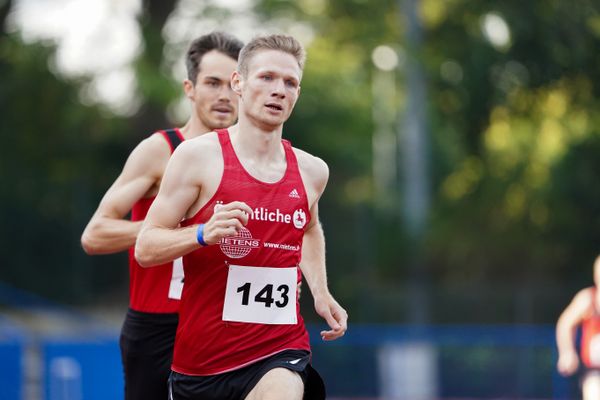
<point x="590" y="337"/>
<point x="240" y="302"/>
<point x="156" y="289"/>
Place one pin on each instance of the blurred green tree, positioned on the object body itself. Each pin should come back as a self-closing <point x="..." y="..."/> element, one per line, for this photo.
<point x="58" y="157"/>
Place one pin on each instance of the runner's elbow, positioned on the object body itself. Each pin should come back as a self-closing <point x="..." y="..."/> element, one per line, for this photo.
<point x="144" y="255"/>
<point x="90" y="244"/>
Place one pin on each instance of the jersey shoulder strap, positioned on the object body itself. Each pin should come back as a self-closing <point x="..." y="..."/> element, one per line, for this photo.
<point x="174" y="138"/>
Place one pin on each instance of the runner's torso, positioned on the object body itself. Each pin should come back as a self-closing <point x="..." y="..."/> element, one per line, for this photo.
<point x="253" y="275"/>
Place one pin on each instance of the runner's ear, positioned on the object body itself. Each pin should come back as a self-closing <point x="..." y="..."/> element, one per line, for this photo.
<point x="188" y="89"/>
<point x="237" y="82"/>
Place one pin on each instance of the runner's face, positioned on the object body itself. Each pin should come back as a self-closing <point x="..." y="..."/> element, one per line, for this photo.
<point x="216" y="105"/>
<point x="271" y="87"/>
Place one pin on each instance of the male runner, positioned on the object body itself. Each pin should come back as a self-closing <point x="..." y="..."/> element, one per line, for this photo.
<point x="148" y="331"/>
<point x="249" y="203"/>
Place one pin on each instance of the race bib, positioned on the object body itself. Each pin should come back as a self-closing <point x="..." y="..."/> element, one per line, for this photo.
<point x="176" y="286"/>
<point x="261" y="295"/>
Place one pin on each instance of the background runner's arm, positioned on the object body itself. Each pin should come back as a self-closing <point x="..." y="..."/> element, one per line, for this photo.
<point x="108" y="231"/>
<point x="566" y="329"/>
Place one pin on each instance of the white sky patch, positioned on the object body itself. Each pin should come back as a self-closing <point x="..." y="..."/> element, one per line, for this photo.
<point x="91" y="35"/>
<point x="94" y="38"/>
<point x="114" y="88"/>
<point x="496" y="30"/>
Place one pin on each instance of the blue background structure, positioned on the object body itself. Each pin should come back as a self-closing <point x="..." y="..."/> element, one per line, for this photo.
<point x="472" y="361"/>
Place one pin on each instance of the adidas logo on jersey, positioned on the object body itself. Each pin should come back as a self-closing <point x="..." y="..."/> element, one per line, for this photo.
<point x="294" y="194"/>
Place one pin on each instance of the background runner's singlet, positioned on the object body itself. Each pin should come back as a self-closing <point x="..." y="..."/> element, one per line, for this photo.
<point x="156" y="289"/>
<point x="590" y="338"/>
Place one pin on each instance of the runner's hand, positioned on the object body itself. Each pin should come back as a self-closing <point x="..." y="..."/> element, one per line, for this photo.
<point x="334" y="314"/>
<point x="227" y="220"/>
<point x="567" y="363"/>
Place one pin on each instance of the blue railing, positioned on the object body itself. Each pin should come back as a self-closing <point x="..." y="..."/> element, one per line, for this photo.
<point x="456" y="361"/>
<point x="370" y="361"/>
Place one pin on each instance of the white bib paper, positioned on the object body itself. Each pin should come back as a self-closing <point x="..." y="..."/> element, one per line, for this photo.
<point x="176" y="286"/>
<point x="261" y="295"/>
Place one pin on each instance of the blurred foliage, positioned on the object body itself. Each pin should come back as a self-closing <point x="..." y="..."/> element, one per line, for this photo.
<point x="514" y="165"/>
<point x="521" y="114"/>
<point x="45" y="169"/>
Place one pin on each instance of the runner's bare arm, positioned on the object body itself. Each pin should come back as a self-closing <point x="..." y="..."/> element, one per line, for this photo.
<point x="160" y="239"/>
<point x="107" y="231"/>
<point x="315" y="174"/>
<point x="566" y="328"/>
<point x="314" y="270"/>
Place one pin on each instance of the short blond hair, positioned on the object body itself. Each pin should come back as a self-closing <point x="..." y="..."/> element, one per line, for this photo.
<point x="285" y="43"/>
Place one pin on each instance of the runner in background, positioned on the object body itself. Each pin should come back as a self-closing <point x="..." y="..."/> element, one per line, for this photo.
<point x="148" y="332"/>
<point x="584" y="311"/>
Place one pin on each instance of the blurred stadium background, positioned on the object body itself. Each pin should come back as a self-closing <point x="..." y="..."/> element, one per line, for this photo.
<point x="462" y="213"/>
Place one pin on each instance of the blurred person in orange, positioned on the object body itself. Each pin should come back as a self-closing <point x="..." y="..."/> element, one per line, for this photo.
<point x="584" y="312"/>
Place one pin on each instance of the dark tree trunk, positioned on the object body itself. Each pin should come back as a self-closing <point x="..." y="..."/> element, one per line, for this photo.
<point x="151" y="115"/>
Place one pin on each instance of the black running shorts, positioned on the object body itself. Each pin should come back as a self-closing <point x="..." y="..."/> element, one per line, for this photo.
<point x="235" y="385"/>
<point x="146" y="342"/>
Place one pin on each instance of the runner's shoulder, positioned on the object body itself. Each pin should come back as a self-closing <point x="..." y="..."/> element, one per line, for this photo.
<point x="312" y="166"/>
<point x="154" y="147"/>
<point x="202" y="148"/>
